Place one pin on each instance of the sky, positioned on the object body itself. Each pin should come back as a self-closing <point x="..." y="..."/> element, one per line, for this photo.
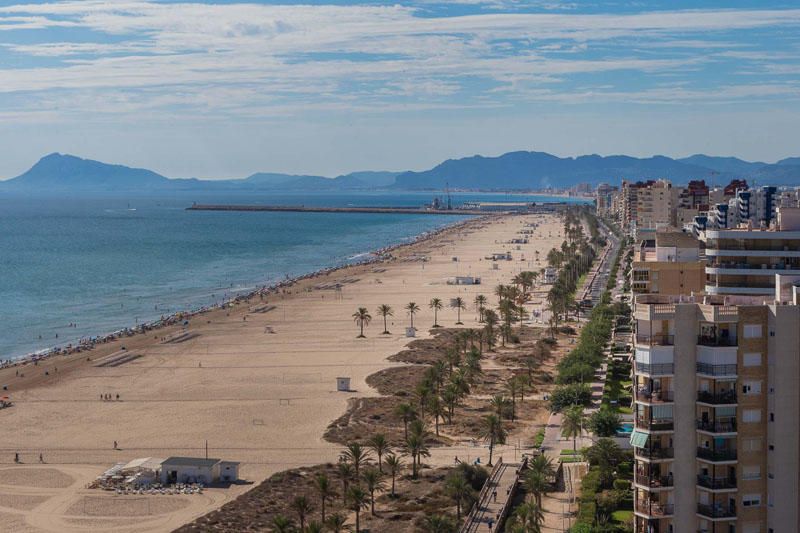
<point x="226" y="88"/>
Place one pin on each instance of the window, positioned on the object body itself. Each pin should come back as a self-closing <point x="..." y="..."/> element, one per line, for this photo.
<point x="751" y="445"/>
<point x="751" y="388"/>
<point x="751" y="500"/>
<point x="752" y="331"/>
<point x="751" y="415"/>
<point x="751" y="472"/>
<point x="751" y="359"/>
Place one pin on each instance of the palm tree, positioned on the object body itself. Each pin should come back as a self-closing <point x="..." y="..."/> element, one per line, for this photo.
<point x="362" y="318"/>
<point x="385" y="311"/>
<point x="458" y="304"/>
<point x="499" y="404"/>
<point x="356" y="455"/>
<point x="480" y="305"/>
<point x="373" y="479"/>
<point x="325" y="491"/>
<point x="281" y="524"/>
<point x="491" y="320"/>
<point x="314" y="527"/>
<point x="417" y="448"/>
<point x="458" y="488"/>
<point x="536" y="485"/>
<point x="394" y="463"/>
<point x="438" y="411"/>
<point x="436" y="523"/>
<point x="572" y="424"/>
<point x="407" y="412"/>
<point x="303" y="508"/>
<point x="336" y="523"/>
<point x="513" y="387"/>
<point x="527" y="518"/>
<point x="412" y="308"/>
<point x="380" y="446"/>
<point x="346" y="473"/>
<point x="493" y="432"/>
<point x="357" y="501"/>
<point x="436" y="305"/>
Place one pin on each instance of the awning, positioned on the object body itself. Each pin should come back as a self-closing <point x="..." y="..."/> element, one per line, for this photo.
<point x="638" y="439"/>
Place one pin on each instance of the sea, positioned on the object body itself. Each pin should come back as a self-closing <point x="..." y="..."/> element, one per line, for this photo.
<point x="74" y="267"/>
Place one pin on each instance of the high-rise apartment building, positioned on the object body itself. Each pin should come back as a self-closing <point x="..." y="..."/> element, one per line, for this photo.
<point x="647" y="204"/>
<point x="716" y="391"/>
<point x="670" y="266"/>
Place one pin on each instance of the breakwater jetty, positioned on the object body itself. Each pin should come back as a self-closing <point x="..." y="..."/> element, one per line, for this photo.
<point x="313" y="209"/>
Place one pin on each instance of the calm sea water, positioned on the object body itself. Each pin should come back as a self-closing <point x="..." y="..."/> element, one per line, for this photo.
<point x="107" y="263"/>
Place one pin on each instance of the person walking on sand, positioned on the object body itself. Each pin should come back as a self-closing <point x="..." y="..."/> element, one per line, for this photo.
<point x="41" y="459"/>
<point x="115" y="445"/>
<point x="16" y="457"/>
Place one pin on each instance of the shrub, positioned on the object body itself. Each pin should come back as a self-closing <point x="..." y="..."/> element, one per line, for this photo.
<point x="567" y="395"/>
<point x="604" y="422"/>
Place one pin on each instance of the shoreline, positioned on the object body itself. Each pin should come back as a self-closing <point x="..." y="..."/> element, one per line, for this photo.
<point x="85" y="344"/>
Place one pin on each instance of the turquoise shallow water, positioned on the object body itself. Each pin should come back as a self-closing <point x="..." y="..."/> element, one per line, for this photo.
<point x="107" y="263"/>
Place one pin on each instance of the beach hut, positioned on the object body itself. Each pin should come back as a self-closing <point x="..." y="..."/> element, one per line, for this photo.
<point x="343" y="384"/>
<point x="198" y="470"/>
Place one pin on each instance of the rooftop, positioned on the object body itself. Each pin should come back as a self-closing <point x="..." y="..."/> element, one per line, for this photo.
<point x="190" y="461"/>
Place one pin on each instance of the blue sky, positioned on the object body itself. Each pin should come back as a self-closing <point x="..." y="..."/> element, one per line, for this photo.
<point x="226" y="88"/>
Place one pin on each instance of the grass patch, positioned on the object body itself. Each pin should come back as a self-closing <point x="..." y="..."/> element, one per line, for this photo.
<point x="538" y="439"/>
<point x="571" y="459"/>
<point x="622" y="516"/>
<point x="570" y="452"/>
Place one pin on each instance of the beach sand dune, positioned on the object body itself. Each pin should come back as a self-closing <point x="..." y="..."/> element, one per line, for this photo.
<point x="260" y="391"/>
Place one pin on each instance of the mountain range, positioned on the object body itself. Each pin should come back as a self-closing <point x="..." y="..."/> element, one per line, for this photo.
<point x="512" y="171"/>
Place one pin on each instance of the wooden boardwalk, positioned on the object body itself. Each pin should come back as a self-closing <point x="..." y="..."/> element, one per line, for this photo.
<point x="494" y="499"/>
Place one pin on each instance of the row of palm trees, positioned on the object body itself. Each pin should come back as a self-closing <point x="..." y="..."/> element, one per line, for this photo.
<point x="537" y="480"/>
<point x="362" y="317"/>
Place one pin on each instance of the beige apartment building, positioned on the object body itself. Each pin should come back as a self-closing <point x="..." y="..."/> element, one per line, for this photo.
<point x="716" y="381"/>
<point x="647" y="204"/>
<point x="669" y="265"/>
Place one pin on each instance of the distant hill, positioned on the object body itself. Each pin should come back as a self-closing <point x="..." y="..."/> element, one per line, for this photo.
<point x="732" y="165"/>
<point x="56" y="172"/>
<point x="535" y="170"/>
<point x="511" y="171"/>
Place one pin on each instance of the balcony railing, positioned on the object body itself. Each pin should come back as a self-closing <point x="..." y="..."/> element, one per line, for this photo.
<point x="716" y="370"/>
<point x="658" y="424"/>
<point x="655" y="369"/>
<point x="708" y="340"/>
<point x="716" y="511"/>
<point x="655" y="482"/>
<point x="713" y="426"/>
<point x="654" y="508"/>
<point x="717" y="398"/>
<point x="655" y="453"/>
<point x="659" y="396"/>
<point x="716" y="455"/>
<point x="655" y="340"/>
<point x="718" y="483"/>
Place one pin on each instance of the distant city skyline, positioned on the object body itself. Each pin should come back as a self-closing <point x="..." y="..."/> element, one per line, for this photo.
<point x="223" y="89"/>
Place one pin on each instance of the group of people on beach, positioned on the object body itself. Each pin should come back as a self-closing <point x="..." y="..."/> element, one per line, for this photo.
<point x="108" y="398"/>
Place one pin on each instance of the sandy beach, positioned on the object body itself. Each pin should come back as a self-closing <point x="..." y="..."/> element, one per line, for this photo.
<point x="256" y="382"/>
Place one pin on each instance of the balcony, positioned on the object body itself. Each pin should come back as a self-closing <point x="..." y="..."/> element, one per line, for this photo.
<point x="719" y="340"/>
<point x="712" y="426"/>
<point x="655" y="424"/>
<point x="653" y="481"/>
<point x="658" y="396"/>
<point x="654" y="453"/>
<point x="716" y="511"/>
<point x="710" y="454"/>
<point x="655" y="509"/>
<point x="716" y="370"/>
<point x="657" y="339"/>
<point x="655" y="369"/>
<point x="727" y="397"/>
<point x="719" y="483"/>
